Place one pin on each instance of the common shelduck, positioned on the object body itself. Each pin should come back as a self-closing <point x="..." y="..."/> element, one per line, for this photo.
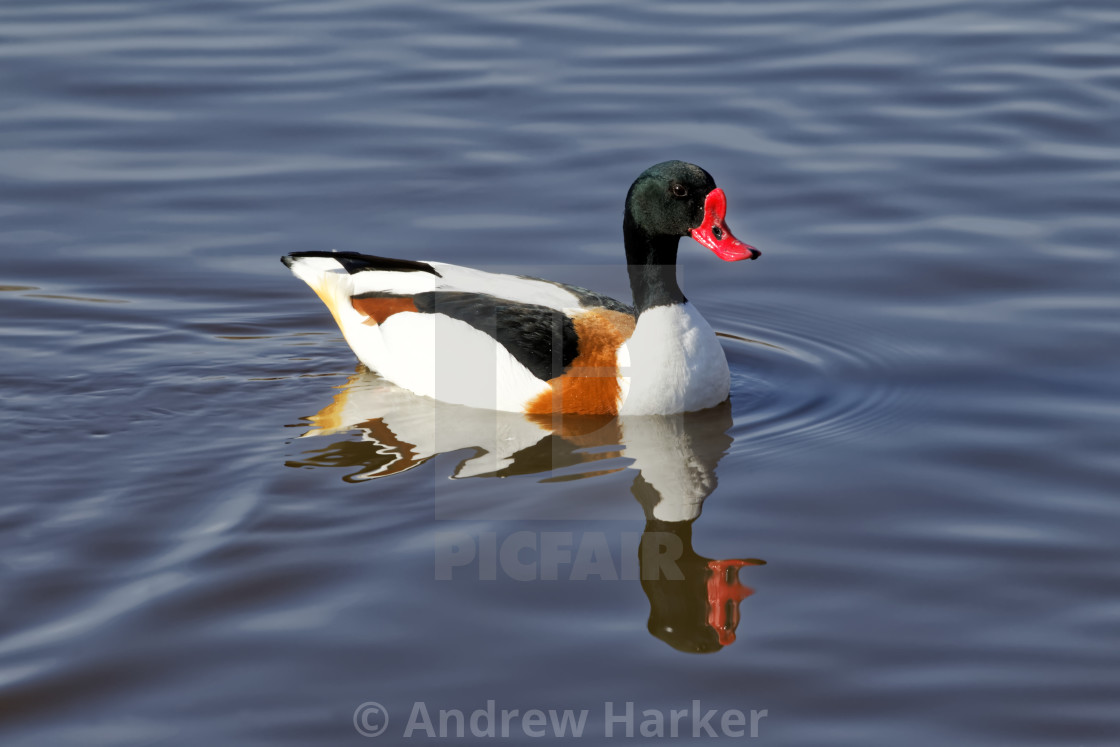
<point x="523" y="344"/>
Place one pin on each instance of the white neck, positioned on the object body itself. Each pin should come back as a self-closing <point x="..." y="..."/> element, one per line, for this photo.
<point x="672" y="363"/>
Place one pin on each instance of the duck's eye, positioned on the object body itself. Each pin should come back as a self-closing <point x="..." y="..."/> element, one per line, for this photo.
<point x="679" y="190"/>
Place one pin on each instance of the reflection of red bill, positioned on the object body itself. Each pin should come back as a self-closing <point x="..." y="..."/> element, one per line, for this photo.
<point x="714" y="233"/>
<point x="724" y="594"/>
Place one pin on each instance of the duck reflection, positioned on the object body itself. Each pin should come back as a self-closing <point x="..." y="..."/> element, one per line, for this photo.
<point x="695" y="608"/>
<point x="694" y="600"/>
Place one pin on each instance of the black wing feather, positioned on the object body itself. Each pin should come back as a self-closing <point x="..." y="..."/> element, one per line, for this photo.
<point x="354" y="262"/>
<point x="540" y="338"/>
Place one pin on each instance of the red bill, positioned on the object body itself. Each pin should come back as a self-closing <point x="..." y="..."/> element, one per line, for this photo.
<point x="714" y="233"/>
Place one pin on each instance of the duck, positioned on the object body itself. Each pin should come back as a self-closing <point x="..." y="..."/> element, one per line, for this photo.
<point x="542" y="348"/>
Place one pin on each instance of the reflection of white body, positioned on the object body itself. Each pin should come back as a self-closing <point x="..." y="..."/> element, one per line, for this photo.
<point x="426" y="426"/>
<point x="665" y="454"/>
<point x="675" y="454"/>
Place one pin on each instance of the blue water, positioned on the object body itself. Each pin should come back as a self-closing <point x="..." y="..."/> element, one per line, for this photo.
<point x="216" y="529"/>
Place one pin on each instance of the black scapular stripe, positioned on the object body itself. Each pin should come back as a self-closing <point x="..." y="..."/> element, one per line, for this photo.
<point x="355" y="262"/>
<point x="543" y="340"/>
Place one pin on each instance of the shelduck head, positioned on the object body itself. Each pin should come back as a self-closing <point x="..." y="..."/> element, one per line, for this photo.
<point x="676" y="198"/>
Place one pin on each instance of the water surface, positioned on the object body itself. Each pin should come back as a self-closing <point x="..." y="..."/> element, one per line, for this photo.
<point x="216" y="528"/>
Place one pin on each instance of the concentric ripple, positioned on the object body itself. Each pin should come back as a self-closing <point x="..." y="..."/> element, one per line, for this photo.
<point x="800" y="378"/>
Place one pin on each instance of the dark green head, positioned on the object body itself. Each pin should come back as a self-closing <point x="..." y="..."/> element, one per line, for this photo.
<point x="674" y="199"/>
<point x="668" y="199"/>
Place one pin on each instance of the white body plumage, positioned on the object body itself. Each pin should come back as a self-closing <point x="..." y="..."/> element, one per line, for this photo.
<point x="672" y="363"/>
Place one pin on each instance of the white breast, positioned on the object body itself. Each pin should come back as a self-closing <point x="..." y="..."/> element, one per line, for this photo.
<point x="672" y="363"/>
